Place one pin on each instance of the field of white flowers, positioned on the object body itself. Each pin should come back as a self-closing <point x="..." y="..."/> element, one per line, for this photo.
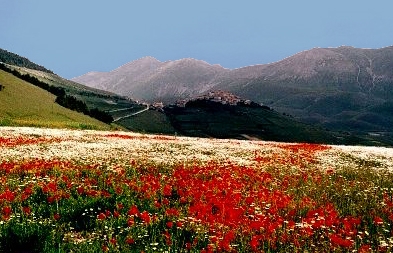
<point x="102" y="145"/>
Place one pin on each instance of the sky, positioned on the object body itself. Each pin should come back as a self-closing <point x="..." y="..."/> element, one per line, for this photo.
<point x="74" y="37"/>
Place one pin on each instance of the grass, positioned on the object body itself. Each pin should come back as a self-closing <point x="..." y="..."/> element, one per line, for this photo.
<point x="23" y="104"/>
<point x="149" y="122"/>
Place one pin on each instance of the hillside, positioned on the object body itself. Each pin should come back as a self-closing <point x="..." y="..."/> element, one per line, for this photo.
<point x="221" y="114"/>
<point x="17" y="60"/>
<point x="110" y="103"/>
<point x="23" y="104"/>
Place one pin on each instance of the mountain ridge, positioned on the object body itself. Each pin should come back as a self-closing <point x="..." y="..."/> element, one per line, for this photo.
<point x="302" y="65"/>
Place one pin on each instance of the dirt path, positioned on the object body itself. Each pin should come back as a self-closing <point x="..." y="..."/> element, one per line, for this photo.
<point x="133" y="114"/>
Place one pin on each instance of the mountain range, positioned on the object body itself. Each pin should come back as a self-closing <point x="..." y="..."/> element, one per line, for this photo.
<point x="344" y="88"/>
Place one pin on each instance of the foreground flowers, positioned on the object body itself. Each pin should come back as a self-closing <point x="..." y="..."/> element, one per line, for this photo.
<point x="210" y="196"/>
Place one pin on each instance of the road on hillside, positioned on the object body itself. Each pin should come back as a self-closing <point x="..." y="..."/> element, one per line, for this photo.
<point x="118" y="110"/>
<point x="133" y="114"/>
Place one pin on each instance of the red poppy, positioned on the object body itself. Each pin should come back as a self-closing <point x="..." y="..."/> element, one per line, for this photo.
<point x="26" y="210"/>
<point x="133" y="210"/>
<point x="338" y="241"/>
<point x="145" y="216"/>
<point x="129" y="240"/>
<point x="378" y="220"/>
<point x="169" y="224"/>
<point x="7" y="210"/>
<point x="113" y="241"/>
<point x="101" y="216"/>
<point x="56" y="216"/>
<point x="167" y="191"/>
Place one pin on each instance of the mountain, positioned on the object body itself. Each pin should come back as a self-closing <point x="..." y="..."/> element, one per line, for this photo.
<point x="339" y="88"/>
<point x="344" y="88"/>
<point x="151" y="80"/>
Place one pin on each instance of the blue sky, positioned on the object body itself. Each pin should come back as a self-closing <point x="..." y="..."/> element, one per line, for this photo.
<point x="76" y="36"/>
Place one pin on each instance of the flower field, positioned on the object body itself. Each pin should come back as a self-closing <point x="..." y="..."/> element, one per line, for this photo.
<point x="96" y="191"/>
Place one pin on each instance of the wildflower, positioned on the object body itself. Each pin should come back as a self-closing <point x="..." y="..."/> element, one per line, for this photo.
<point x="167" y="191"/>
<point x="254" y="243"/>
<point x="56" y="216"/>
<point x="26" y="210"/>
<point x="105" y="248"/>
<point x="7" y="210"/>
<point x="378" y="220"/>
<point x="101" y="216"/>
<point x="8" y="195"/>
<point x="365" y="249"/>
<point x="113" y="241"/>
<point x="145" y="216"/>
<point x="338" y="241"/>
<point x="129" y="240"/>
<point x="172" y="212"/>
<point x="133" y="211"/>
<point x="167" y="237"/>
<point x="169" y="224"/>
<point x="80" y="190"/>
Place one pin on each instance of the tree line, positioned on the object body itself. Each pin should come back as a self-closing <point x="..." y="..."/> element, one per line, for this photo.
<point x="62" y="98"/>
<point x="17" y="60"/>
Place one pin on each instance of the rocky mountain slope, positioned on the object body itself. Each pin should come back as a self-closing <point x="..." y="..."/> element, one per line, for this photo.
<point x="151" y="80"/>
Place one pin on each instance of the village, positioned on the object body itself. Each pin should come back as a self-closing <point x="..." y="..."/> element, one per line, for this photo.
<point x="219" y="96"/>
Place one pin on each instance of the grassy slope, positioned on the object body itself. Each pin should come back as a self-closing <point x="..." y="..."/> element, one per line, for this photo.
<point x="23" y="104"/>
<point x="149" y="122"/>
<point x="237" y="122"/>
<point x="94" y="98"/>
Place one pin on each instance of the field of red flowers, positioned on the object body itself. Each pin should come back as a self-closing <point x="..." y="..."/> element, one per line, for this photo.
<point x="87" y="191"/>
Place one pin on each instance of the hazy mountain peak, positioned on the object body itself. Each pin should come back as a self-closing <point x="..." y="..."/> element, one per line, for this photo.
<point x="147" y="61"/>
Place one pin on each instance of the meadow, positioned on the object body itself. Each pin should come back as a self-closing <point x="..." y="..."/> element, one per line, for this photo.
<point x="112" y="191"/>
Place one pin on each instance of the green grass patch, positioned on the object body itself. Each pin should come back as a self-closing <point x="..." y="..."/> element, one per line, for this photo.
<point x="148" y="122"/>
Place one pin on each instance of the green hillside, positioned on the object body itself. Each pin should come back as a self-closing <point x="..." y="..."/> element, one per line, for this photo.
<point x="212" y="119"/>
<point x="115" y="105"/>
<point x="24" y="104"/>
<point x="150" y="121"/>
<point x="15" y="59"/>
